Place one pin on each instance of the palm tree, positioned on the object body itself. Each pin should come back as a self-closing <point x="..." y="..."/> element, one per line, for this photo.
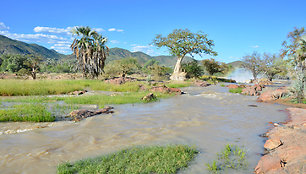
<point x="90" y="51"/>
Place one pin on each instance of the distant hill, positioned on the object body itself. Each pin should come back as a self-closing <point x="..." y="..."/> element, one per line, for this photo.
<point x="236" y="64"/>
<point x="10" y="46"/>
<point x="119" y="53"/>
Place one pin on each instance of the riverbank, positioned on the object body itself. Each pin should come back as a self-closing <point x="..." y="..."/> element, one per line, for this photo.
<point x="286" y="147"/>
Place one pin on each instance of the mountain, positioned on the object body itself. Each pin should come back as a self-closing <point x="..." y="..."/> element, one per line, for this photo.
<point x="119" y="53"/>
<point x="10" y="46"/>
<point x="236" y="64"/>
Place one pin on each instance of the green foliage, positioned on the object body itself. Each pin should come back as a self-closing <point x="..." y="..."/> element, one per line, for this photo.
<point x="145" y="160"/>
<point x="212" y="66"/>
<point x="295" y="49"/>
<point x="235" y="90"/>
<point x="26" y="112"/>
<point x="232" y="156"/>
<point x="273" y="65"/>
<point x="159" y="72"/>
<point x="182" y="42"/>
<point x="13" y="63"/>
<point x="122" y="67"/>
<point x="254" y="63"/>
<point x="90" y="51"/>
<point x="193" y="69"/>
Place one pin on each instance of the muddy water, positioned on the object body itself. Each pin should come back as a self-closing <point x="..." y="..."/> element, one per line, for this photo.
<point x="207" y="118"/>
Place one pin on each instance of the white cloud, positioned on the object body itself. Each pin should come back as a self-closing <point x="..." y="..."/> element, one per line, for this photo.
<point x="114" y="41"/>
<point x="146" y="49"/>
<point x="114" y="29"/>
<point x="3" y="26"/>
<point x="255" y="46"/>
<point x="60" y="30"/>
<point x="98" y="29"/>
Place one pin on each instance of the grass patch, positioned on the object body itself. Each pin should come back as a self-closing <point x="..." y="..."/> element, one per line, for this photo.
<point x="37" y="87"/>
<point x="26" y="112"/>
<point x="53" y="87"/>
<point x="235" y="90"/>
<point x="101" y="100"/>
<point x="178" y="85"/>
<point x="231" y="156"/>
<point x="144" y="160"/>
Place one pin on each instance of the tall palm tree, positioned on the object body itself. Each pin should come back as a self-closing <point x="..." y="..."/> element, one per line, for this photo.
<point x="90" y="51"/>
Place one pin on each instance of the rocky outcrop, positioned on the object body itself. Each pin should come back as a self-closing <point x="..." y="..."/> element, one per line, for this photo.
<point x="149" y="97"/>
<point x="286" y="146"/>
<point x="232" y="86"/>
<point x="201" y="83"/>
<point x="77" y="92"/>
<point x="271" y="95"/>
<point x="252" y="90"/>
<point x="119" y="80"/>
<point x="165" y="89"/>
<point x="81" y="114"/>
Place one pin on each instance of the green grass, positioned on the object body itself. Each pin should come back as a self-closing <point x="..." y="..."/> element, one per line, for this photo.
<point x="26" y="112"/>
<point x="144" y="160"/>
<point x="101" y="100"/>
<point x="178" y="85"/>
<point x="51" y="87"/>
<point x="235" y="90"/>
<point x="232" y="156"/>
<point x="98" y="99"/>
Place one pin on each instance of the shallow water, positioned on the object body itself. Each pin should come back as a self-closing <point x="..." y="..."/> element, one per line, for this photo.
<point x="207" y="118"/>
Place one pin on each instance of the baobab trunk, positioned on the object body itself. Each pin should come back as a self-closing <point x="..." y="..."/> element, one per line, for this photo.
<point x="177" y="73"/>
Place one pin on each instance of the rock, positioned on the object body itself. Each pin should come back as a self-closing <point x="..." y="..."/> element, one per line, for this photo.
<point x="77" y="92"/>
<point x="201" y="83"/>
<point x="271" y="95"/>
<point x="119" y="80"/>
<point x="252" y="90"/>
<point x="287" y="146"/>
<point x="232" y="86"/>
<point x="272" y="144"/>
<point x="175" y="90"/>
<point x="149" y="97"/>
<point x="165" y="89"/>
<point x="80" y="114"/>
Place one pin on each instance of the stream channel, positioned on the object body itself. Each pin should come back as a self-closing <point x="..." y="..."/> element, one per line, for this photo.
<point x="207" y="118"/>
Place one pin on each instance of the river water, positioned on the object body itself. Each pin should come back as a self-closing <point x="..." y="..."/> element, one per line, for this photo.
<point x="207" y="118"/>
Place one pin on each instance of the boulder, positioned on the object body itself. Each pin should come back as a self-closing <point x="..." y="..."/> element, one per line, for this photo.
<point x="252" y="90"/>
<point x="149" y="97"/>
<point x="81" y="114"/>
<point x="271" y="95"/>
<point x="201" y="83"/>
<point x="165" y="89"/>
<point x="286" y="146"/>
<point x="77" y="92"/>
<point x="232" y="86"/>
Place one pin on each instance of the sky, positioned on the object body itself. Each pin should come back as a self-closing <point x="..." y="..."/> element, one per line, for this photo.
<point x="237" y="27"/>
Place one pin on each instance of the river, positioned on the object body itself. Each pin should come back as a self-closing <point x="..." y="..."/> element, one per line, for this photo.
<point x="207" y="118"/>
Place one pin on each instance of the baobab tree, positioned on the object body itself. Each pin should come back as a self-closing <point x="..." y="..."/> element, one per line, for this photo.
<point x="182" y="42"/>
<point x="90" y="50"/>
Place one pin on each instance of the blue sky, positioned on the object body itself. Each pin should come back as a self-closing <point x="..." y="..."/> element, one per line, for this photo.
<point x="237" y="27"/>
